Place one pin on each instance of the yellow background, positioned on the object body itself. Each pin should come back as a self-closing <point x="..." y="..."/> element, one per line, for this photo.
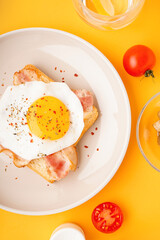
<point x="136" y="186"/>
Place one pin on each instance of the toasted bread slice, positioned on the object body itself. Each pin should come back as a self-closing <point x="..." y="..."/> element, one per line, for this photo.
<point x="89" y="119"/>
<point x="27" y="71"/>
<point x="39" y="165"/>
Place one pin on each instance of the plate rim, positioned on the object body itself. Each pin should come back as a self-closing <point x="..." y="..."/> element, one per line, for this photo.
<point x="128" y="131"/>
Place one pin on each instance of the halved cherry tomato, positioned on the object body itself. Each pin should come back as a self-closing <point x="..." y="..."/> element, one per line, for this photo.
<point x="107" y="217"/>
<point x="139" y="60"/>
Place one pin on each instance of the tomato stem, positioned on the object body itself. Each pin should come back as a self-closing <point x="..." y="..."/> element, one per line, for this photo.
<point x="149" y="73"/>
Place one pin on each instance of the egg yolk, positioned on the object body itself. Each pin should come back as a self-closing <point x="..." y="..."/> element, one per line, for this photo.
<point x="48" y="118"/>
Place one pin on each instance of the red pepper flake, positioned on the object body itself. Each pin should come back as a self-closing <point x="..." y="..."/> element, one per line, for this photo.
<point x="30" y="134"/>
<point x="59" y="130"/>
<point x="22" y="118"/>
<point x="92" y="133"/>
<point x="96" y="128"/>
<point x="53" y="128"/>
<point x="35" y="114"/>
<point x="55" y="68"/>
<point x="97" y="149"/>
<point x="11" y="124"/>
<point x="26" y="98"/>
<point x="86" y="146"/>
<point x="44" y="94"/>
<point x="43" y="137"/>
<point x="62" y="109"/>
<point x="76" y="75"/>
<point x="61" y="71"/>
<point x="62" y="78"/>
<point x="2" y="85"/>
<point x="60" y="106"/>
<point x="26" y="123"/>
<point x="46" y="126"/>
<point x="42" y="98"/>
<point x="49" y="109"/>
<point x="54" y="112"/>
<point x="64" y="132"/>
<point x="36" y="105"/>
<point x="63" y="81"/>
<point x="87" y="155"/>
<point x="16" y="178"/>
<point x="9" y="115"/>
<point x="39" y="106"/>
<point x="15" y="123"/>
<point x="56" y="121"/>
<point x="31" y="140"/>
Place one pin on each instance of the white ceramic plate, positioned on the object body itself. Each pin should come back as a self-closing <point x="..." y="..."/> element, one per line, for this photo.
<point x="23" y="191"/>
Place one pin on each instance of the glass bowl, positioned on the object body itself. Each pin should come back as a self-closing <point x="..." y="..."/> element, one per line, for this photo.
<point x="105" y="22"/>
<point x="147" y="136"/>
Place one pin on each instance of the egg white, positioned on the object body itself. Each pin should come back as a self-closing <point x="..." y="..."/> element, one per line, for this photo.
<point x="18" y="140"/>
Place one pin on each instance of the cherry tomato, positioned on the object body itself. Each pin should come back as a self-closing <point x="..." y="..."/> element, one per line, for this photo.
<point x="107" y="217"/>
<point x="139" y="60"/>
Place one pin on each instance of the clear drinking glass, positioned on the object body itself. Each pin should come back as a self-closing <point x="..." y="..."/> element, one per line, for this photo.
<point x="101" y="19"/>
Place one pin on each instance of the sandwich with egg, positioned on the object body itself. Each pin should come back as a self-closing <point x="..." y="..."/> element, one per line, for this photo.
<point x="42" y="122"/>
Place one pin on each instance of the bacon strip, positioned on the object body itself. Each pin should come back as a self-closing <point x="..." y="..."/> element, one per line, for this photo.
<point x="60" y="163"/>
<point x="86" y="99"/>
<point x="57" y="163"/>
<point x="25" y="76"/>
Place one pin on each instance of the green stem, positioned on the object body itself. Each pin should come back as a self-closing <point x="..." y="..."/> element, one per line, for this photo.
<point x="149" y="73"/>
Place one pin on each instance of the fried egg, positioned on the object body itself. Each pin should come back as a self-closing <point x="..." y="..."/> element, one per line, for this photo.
<point x="38" y="119"/>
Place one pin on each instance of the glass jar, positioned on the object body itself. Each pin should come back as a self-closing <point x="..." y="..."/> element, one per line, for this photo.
<point x="106" y="22"/>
